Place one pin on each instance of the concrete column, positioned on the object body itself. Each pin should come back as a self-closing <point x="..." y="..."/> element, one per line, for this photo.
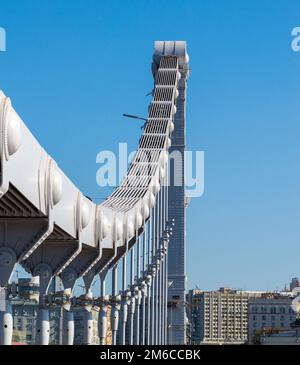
<point x="44" y="271"/>
<point x="6" y="318"/>
<point x="88" y="327"/>
<point x="115" y="307"/>
<point x="124" y="302"/>
<point x="68" y="327"/>
<point x="132" y="300"/>
<point x="102" y="320"/>
<point x="7" y="263"/>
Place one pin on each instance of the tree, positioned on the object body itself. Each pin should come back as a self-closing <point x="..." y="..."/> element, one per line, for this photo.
<point x="256" y="340"/>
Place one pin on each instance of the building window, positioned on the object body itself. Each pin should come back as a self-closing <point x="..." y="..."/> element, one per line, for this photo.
<point x="263" y="309"/>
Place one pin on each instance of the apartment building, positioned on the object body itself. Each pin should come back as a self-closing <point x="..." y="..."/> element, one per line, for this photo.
<point x="273" y="311"/>
<point x="219" y="317"/>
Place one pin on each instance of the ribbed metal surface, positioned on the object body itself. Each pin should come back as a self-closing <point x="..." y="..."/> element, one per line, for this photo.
<point x="157" y="126"/>
<point x="153" y="141"/>
<point x="58" y="234"/>
<point x="14" y="204"/>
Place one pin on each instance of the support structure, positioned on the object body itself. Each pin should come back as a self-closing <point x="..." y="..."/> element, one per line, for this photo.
<point x="50" y="228"/>
<point x="177" y="213"/>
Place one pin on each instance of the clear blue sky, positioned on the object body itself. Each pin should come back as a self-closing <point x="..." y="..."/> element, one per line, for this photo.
<point x="73" y="68"/>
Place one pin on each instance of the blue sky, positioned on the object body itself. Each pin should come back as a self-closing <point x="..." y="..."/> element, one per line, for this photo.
<point x="72" y="69"/>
